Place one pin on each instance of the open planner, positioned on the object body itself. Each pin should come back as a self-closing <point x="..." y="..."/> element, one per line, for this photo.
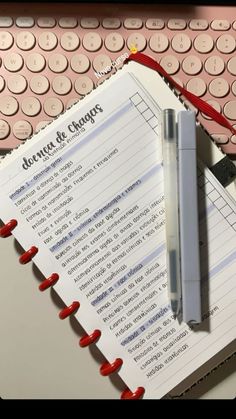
<point x="86" y="194"/>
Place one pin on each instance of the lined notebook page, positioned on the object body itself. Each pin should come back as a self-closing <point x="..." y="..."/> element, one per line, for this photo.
<point x="88" y="192"/>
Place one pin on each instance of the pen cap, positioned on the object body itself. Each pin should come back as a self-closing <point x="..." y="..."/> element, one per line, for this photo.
<point x="187" y="130"/>
<point x="192" y="302"/>
<point x="169" y="125"/>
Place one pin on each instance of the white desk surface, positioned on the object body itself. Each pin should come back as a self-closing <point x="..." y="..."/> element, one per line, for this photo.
<point x="39" y="354"/>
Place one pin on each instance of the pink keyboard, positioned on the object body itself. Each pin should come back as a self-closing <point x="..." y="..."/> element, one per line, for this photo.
<point x="51" y="55"/>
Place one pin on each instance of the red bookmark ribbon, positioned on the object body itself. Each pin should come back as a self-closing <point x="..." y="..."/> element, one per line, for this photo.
<point x="200" y="104"/>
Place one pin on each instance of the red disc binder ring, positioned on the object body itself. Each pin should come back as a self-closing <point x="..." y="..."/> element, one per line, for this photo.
<point x="49" y="282"/>
<point x="107" y="368"/>
<point x="87" y="340"/>
<point x="28" y="255"/>
<point x="127" y="394"/>
<point x="67" y="311"/>
<point x="5" y="231"/>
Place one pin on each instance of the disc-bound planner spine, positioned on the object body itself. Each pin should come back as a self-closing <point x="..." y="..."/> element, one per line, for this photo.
<point x="106" y="368"/>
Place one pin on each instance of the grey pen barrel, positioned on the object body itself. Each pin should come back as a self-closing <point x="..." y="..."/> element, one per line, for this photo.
<point x="188" y="218"/>
<point x="171" y="208"/>
<point x="169" y="125"/>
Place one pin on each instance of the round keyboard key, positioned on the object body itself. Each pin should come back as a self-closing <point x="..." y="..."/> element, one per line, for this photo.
<point x="35" y="62"/>
<point x="218" y="87"/>
<point x="61" y="85"/>
<point x="170" y="64"/>
<point x="57" y="63"/>
<point x="2" y="83"/>
<point x="102" y="63"/>
<point x="30" y="106"/>
<point x="17" y="84"/>
<point x="13" y="62"/>
<point x="192" y="65"/>
<point x="53" y="106"/>
<point x="83" y="85"/>
<point x="233" y="87"/>
<point x="6" y="40"/>
<point x="181" y="43"/>
<point x="22" y="130"/>
<point x="232" y="66"/>
<point x="230" y="109"/>
<point x="226" y="44"/>
<point x="25" y="40"/>
<point x="79" y="63"/>
<point x="69" y="41"/>
<point x="39" y="84"/>
<point x="4" y="129"/>
<point x="41" y="125"/>
<point x="214" y="65"/>
<point x="159" y="42"/>
<point x="203" y="43"/>
<point x="114" y="42"/>
<point x="196" y="86"/>
<point x="92" y="41"/>
<point x="8" y="105"/>
<point x="47" y="41"/>
<point x="137" y="41"/>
